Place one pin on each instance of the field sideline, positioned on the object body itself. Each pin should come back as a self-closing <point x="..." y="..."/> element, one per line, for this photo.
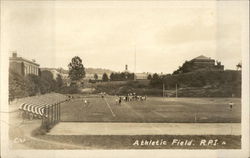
<point x="153" y="110"/>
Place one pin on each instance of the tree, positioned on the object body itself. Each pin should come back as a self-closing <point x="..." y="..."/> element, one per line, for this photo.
<point x="187" y="66"/>
<point x="17" y="85"/>
<point x="96" y="76"/>
<point x="48" y="80"/>
<point x="156" y="80"/>
<point x="149" y="77"/>
<point x="123" y="76"/>
<point x="105" y="77"/>
<point x="218" y="63"/>
<point x="239" y="66"/>
<point x="76" y="69"/>
<point x="155" y="76"/>
<point x="33" y="84"/>
<point x="130" y="76"/>
<point x="112" y="77"/>
<point x="59" y="81"/>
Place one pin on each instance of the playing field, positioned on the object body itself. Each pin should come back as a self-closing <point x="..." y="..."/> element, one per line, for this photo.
<point x="154" y="109"/>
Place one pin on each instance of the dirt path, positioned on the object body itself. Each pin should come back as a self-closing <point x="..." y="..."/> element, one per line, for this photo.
<point x="21" y="137"/>
<point x="72" y="128"/>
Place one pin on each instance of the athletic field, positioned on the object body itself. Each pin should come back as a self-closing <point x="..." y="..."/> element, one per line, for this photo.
<point x="153" y="110"/>
<point x="101" y="123"/>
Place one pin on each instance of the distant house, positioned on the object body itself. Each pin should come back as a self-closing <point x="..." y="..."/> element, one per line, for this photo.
<point x="202" y="62"/>
<point x="23" y="66"/>
<point x="141" y="76"/>
<point x="56" y="73"/>
<point x="91" y="77"/>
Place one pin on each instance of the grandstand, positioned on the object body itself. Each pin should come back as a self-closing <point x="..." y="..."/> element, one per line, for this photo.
<point x="45" y="107"/>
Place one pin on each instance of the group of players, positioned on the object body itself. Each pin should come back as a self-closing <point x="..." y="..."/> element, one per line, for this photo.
<point x="134" y="97"/>
<point x="130" y="97"/>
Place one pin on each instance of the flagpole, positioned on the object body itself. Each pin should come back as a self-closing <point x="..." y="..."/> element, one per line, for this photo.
<point x="163" y="90"/>
<point x="135" y="62"/>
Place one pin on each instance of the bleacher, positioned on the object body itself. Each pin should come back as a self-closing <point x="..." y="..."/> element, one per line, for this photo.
<point x="36" y="105"/>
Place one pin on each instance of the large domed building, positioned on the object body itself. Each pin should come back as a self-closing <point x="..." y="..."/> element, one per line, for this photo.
<point x="203" y="62"/>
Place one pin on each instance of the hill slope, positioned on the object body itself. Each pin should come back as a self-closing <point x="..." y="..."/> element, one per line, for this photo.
<point x="87" y="70"/>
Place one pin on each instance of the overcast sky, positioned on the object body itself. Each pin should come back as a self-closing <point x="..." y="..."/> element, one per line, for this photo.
<point x="106" y="34"/>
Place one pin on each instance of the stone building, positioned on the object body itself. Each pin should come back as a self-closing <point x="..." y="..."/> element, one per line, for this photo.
<point x="23" y="66"/>
<point x="138" y="76"/>
<point x="141" y="76"/>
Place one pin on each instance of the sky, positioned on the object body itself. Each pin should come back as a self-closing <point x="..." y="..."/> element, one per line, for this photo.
<point x="107" y="34"/>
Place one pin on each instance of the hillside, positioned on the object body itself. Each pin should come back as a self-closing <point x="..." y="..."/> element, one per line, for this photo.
<point x="87" y="70"/>
<point x="193" y="84"/>
<point x="204" y="83"/>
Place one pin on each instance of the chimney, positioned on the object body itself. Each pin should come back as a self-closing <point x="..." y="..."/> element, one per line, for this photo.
<point x="33" y="60"/>
<point x="14" y="54"/>
<point x="126" y="67"/>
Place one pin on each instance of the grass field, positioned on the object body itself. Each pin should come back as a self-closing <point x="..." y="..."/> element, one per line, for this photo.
<point x="154" y="109"/>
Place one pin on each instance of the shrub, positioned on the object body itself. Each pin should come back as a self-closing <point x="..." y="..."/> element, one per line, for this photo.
<point x="17" y="86"/>
<point x="69" y="90"/>
<point x="30" y="85"/>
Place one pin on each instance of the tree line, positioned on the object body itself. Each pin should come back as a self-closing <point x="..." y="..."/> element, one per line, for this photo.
<point x="123" y="76"/>
<point x="23" y="86"/>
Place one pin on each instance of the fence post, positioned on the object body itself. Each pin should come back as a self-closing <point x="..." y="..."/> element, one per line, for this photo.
<point x="59" y="111"/>
<point x="53" y="114"/>
<point x="56" y="113"/>
<point x="53" y="119"/>
<point x="48" y="117"/>
<point x="45" y="119"/>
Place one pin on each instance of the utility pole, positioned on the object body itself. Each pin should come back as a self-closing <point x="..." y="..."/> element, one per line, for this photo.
<point x="135" y="63"/>
<point x="163" y="90"/>
<point x="176" y="89"/>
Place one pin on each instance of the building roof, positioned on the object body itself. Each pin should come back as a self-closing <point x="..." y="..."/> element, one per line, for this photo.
<point x="23" y="59"/>
<point x="141" y="74"/>
<point x="202" y="57"/>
